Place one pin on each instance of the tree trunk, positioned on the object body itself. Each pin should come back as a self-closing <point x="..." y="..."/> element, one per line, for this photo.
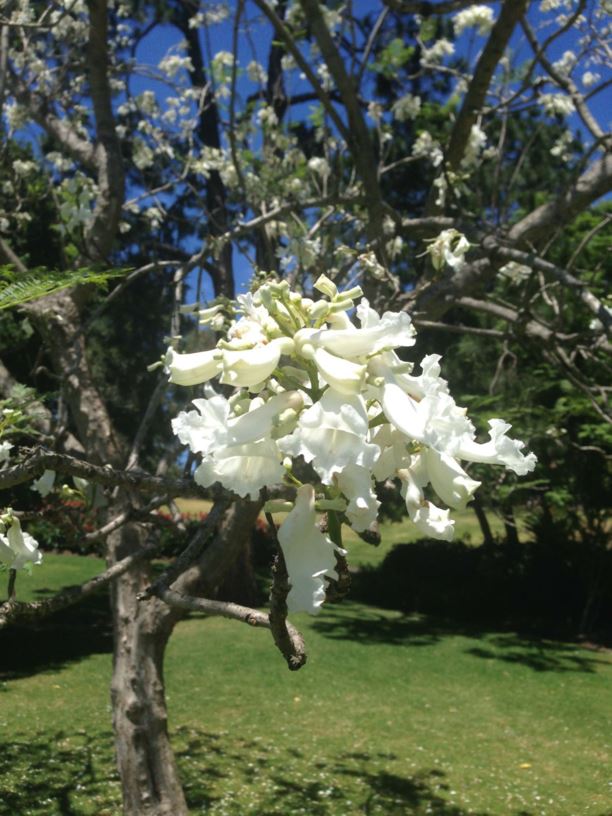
<point x="145" y="760"/>
<point x="483" y="521"/>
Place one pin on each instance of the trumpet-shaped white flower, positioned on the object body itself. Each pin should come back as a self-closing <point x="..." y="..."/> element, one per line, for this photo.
<point x="448" y="248"/>
<point x="202" y="429"/>
<point x="392" y="330"/>
<point x="499" y="450"/>
<point x="430" y="519"/>
<point x="309" y="555"/>
<point x="249" y="367"/>
<point x="44" y="484"/>
<point x="245" y="469"/>
<point x="435" y="420"/>
<point x="17" y="549"/>
<point x="342" y="375"/>
<point x="356" y="484"/>
<point x="192" y="369"/>
<point x="449" y="480"/>
<point x="332" y="434"/>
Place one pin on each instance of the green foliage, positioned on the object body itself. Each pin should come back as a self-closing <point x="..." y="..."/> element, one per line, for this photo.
<point x="17" y="288"/>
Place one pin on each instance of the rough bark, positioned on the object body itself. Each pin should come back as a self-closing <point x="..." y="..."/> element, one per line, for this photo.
<point x="145" y="760"/>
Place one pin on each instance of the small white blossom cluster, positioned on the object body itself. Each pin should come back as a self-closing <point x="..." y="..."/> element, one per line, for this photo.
<point x="312" y="386"/>
<point x="406" y="107"/>
<point x="440" y="49"/>
<point x="557" y="104"/>
<point x="480" y="17"/>
<point x="18" y="550"/>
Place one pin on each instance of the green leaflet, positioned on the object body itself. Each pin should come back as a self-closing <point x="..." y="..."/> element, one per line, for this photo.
<point x="17" y="287"/>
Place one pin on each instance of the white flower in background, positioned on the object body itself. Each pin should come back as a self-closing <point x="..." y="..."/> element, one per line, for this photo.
<point x="449" y="249"/>
<point x="515" y="272"/>
<point x="561" y="148"/>
<point x="24" y="168"/>
<point x="172" y="64"/>
<point x="440" y="49"/>
<point x="5" y="449"/>
<point x="426" y="147"/>
<point x="309" y="554"/>
<point x="474" y="149"/>
<point x="589" y="78"/>
<point x="407" y="107"/>
<point x="375" y="112"/>
<point x="332" y="434"/>
<point x="565" y="64"/>
<point x="256" y="72"/>
<point x="557" y="104"/>
<point x="18" y="549"/>
<point x="320" y="166"/>
<point x="480" y="17"/>
<point x="44" y="484"/>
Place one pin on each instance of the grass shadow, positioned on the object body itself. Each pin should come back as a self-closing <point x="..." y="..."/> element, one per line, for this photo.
<point x="370" y="626"/>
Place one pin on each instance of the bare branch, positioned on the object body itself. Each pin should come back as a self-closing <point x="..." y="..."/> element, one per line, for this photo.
<point x="293" y="651"/>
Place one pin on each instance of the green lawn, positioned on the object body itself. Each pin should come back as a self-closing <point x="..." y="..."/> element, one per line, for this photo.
<point x="390" y="716"/>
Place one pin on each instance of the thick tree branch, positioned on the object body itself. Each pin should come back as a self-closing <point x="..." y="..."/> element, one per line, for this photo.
<point x="591" y="185"/>
<point x="40" y="460"/>
<point x="109" y="165"/>
<point x="21" y="612"/>
<point x="511" y="11"/>
<point x="359" y="139"/>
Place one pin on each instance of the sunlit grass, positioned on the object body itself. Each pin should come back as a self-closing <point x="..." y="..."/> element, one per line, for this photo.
<point x="391" y="715"/>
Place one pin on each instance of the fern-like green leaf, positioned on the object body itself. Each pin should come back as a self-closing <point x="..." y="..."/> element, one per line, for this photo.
<point x="17" y="287"/>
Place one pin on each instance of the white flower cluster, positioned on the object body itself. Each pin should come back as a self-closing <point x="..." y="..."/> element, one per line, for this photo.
<point x="406" y="107"/>
<point x="480" y="17"/>
<point x="557" y="104"/>
<point x="312" y="385"/>
<point x="18" y="550"/>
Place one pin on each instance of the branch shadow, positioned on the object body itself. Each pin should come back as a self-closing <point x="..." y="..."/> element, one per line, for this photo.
<point x="57" y="773"/>
<point x="73" y="773"/>
<point x="62" y="638"/>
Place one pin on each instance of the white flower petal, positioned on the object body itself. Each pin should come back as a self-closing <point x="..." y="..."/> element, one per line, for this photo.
<point x="342" y="375"/>
<point x="24" y="546"/>
<point x="257" y="423"/>
<point x="332" y="434"/>
<point x="431" y="520"/>
<point x="249" y="367"/>
<point x="309" y="555"/>
<point x="205" y="429"/>
<point x="245" y="469"/>
<point x="356" y="484"/>
<point x="449" y="480"/>
<point x="394" y="329"/>
<point x="192" y="369"/>
<point x="499" y="450"/>
<point x="44" y="484"/>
